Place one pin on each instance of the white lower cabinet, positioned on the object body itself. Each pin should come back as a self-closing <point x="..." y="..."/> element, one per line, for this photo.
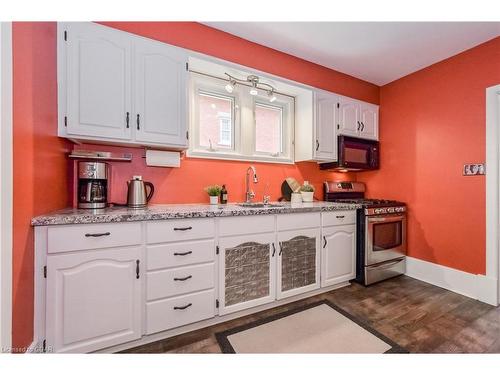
<point x="178" y="311"/>
<point x="298" y="262"/>
<point x="123" y="280"/>
<point x="93" y="299"/>
<point x="246" y="271"/>
<point x="338" y="254"/>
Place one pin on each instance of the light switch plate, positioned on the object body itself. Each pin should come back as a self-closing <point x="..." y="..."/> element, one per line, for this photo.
<point x="474" y="169"/>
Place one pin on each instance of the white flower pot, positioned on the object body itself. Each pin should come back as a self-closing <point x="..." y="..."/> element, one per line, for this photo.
<point x="307" y="196"/>
<point x="214" y="199"/>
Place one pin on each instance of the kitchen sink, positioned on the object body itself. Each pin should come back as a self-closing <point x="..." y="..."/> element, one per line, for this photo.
<point x="259" y="205"/>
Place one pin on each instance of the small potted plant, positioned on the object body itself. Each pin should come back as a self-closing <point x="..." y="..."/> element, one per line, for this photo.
<point x="307" y="192"/>
<point x="213" y="192"/>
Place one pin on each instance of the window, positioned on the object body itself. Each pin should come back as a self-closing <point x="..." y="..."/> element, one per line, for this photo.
<point x="238" y="125"/>
<point x="268" y="129"/>
<point x="214" y="119"/>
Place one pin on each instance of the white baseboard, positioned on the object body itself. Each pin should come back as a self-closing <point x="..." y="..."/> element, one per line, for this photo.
<point x="480" y="287"/>
<point x="35" y="348"/>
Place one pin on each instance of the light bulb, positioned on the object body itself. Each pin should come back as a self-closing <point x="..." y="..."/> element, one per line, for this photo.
<point x="230" y="86"/>
<point x="271" y="95"/>
<point x="253" y="91"/>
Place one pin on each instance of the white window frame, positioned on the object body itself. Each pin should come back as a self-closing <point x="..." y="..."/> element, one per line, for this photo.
<point x="286" y="127"/>
<point x="208" y="87"/>
<point x="243" y="122"/>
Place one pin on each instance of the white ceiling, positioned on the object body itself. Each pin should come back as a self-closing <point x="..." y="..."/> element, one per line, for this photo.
<point x="378" y="52"/>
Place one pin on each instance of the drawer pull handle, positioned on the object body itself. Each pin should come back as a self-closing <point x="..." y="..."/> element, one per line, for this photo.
<point x="185" y="253"/>
<point x="184" y="228"/>
<point x="97" y="234"/>
<point x="182" y="307"/>
<point x="274" y="249"/>
<point x="340" y="217"/>
<point x="182" y="278"/>
<point x="281" y="248"/>
<point x="325" y="242"/>
<point x="137" y="271"/>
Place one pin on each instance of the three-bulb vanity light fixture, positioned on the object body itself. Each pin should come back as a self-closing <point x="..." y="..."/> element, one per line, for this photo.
<point x="253" y="82"/>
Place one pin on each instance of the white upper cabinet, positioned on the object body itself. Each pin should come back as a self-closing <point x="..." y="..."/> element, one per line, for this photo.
<point x="357" y="119"/>
<point x="118" y="88"/>
<point x="325" y="147"/>
<point x="369" y="120"/>
<point x="97" y="81"/>
<point x="160" y="93"/>
<point x="348" y="123"/>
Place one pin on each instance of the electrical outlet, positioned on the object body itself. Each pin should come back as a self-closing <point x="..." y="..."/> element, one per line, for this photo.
<point x="474" y="169"/>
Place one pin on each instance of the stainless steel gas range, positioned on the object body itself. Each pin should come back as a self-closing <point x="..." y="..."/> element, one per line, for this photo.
<point x="381" y="232"/>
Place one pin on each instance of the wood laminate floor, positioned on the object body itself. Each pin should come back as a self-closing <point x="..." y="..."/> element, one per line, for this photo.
<point x="420" y="317"/>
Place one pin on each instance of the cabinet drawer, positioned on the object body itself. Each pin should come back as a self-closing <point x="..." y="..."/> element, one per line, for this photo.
<point x="179" y="230"/>
<point x="178" y="311"/>
<point x="338" y="218"/>
<point x="298" y="221"/>
<point x="172" y="282"/>
<point x="92" y="236"/>
<point x="180" y="254"/>
<point x="237" y="225"/>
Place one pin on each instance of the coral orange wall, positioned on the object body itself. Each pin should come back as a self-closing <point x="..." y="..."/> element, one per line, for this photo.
<point x="207" y="40"/>
<point x="431" y="123"/>
<point x="40" y="167"/>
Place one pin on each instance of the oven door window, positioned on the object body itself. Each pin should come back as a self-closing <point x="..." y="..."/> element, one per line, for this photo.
<point x="387" y="235"/>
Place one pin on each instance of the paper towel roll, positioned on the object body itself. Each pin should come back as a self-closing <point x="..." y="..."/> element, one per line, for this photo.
<point x="156" y="158"/>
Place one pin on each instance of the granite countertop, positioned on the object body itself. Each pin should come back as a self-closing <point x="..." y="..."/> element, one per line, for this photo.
<point x="179" y="211"/>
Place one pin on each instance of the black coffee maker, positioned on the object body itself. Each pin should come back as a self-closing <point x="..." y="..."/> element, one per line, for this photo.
<point x="92" y="184"/>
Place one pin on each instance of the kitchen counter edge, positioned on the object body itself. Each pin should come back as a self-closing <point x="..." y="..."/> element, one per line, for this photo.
<point x="180" y="211"/>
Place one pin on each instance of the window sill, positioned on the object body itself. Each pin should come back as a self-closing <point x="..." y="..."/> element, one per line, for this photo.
<point x="237" y="157"/>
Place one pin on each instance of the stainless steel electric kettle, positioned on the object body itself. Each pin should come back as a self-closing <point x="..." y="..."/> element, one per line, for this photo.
<point x="136" y="196"/>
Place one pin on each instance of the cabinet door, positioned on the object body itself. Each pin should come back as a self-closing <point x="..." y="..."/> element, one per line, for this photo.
<point x="160" y="94"/>
<point x="97" y="80"/>
<point x="348" y="123"/>
<point x="325" y="147"/>
<point x="338" y="254"/>
<point x="246" y="271"/>
<point x="369" y="121"/>
<point x="93" y="299"/>
<point x="298" y="262"/>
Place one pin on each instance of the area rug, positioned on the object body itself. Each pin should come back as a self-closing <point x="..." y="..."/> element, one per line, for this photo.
<point x="321" y="327"/>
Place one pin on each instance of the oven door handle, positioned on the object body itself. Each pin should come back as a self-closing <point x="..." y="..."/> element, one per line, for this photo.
<point x="386" y="264"/>
<point x="385" y="219"/>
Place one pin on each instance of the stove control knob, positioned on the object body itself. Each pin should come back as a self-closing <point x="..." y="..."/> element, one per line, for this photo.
<point x="379" y="210"/>
<point x="400" y="209"/>
<point x="391" y="210"/>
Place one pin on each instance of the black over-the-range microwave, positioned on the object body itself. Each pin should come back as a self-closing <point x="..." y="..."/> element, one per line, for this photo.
<point x="355" y="154"/>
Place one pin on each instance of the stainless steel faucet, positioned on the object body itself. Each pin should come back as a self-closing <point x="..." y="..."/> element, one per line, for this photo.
<point x="249" y="193"/>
